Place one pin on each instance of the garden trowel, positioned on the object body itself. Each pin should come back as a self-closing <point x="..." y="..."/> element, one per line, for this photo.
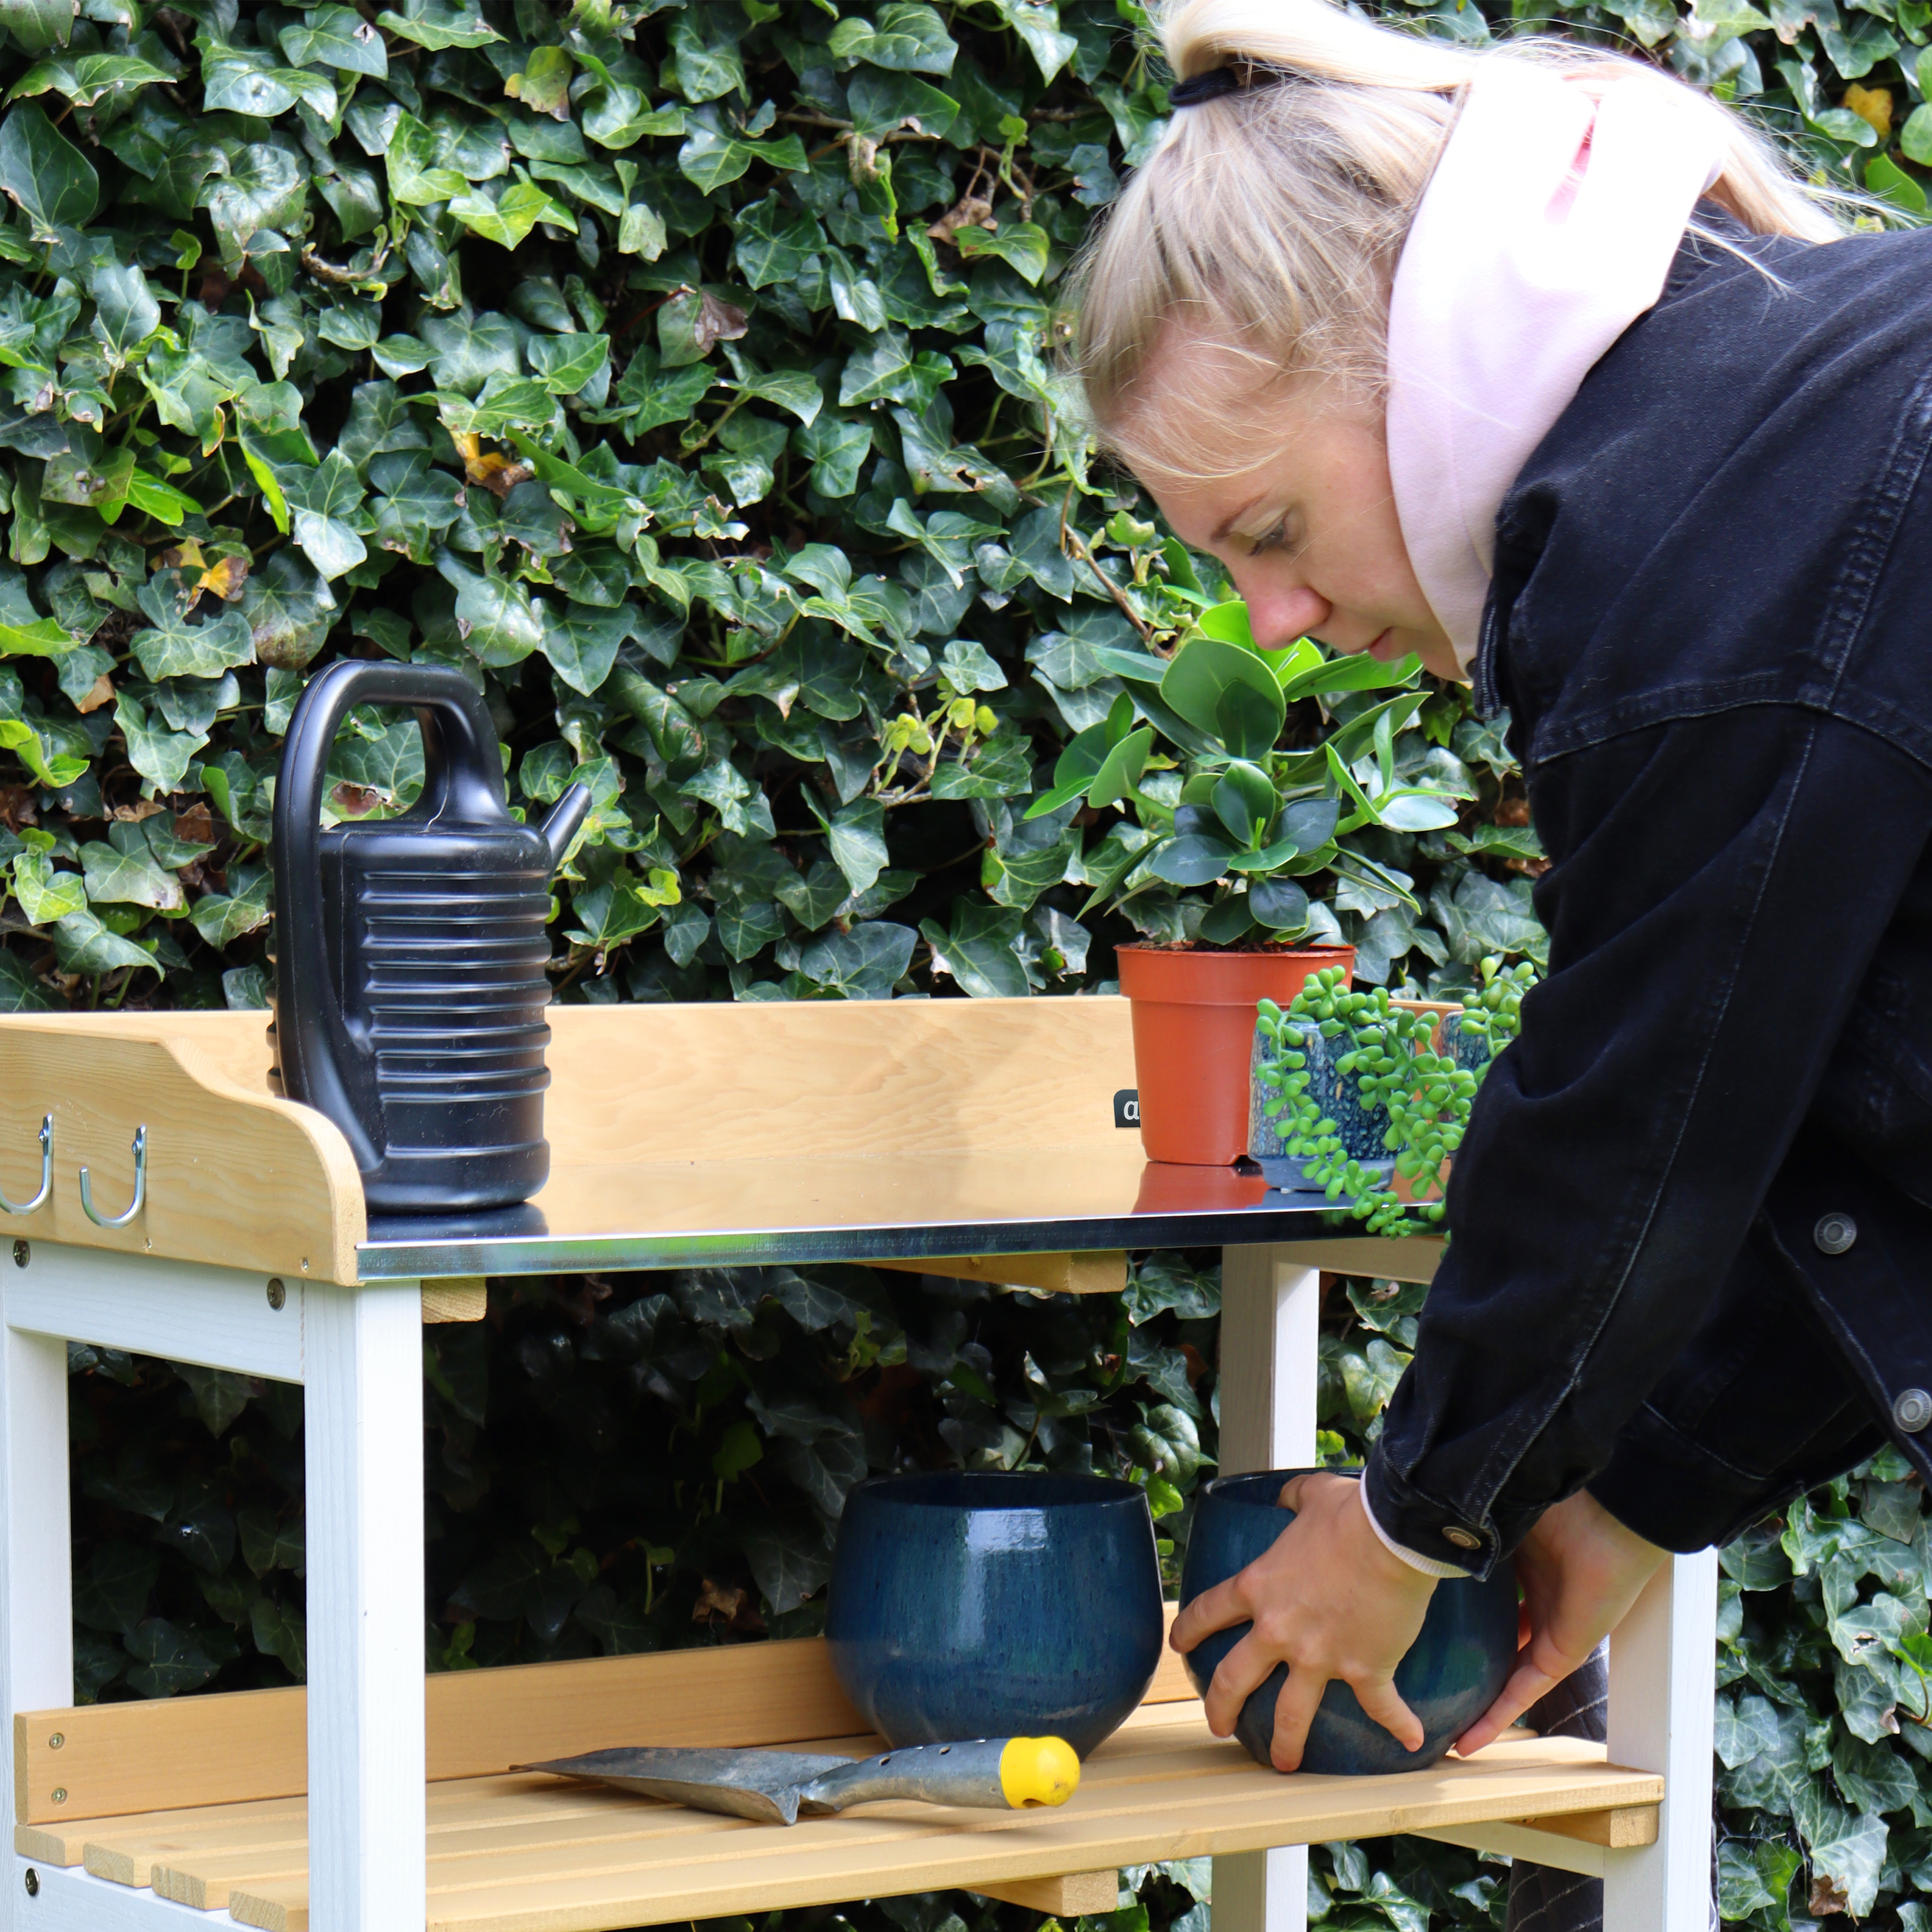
<point x="778" y="1787"/>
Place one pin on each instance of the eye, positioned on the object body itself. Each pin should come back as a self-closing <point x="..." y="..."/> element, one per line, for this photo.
<point x="1269" y="540"/>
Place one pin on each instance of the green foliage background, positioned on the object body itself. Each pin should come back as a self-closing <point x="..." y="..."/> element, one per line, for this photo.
<point x="684" y="374"/>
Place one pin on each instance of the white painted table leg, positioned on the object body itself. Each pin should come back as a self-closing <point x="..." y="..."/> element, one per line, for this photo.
<point x="363" y="1418"/>
<point x="1660" y="1718"/>
<point x="36" y="1561"/>
<point x="1270" y="1333"/>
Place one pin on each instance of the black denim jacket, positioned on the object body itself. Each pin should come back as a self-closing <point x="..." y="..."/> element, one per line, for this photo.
<point x="1711" y="621"/>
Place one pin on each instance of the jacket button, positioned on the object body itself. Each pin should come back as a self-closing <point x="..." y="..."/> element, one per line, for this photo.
<point x="1912" y="1411"/>
<point x="1834" y="1234"/>
<point x="1464" y="1539"/>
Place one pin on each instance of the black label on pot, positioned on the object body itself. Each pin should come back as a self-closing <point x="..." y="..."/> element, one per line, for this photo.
<point x="1127" y="1107"/>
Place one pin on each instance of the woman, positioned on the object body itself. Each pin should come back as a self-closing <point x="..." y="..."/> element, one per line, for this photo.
<point x="1532" y="364"/>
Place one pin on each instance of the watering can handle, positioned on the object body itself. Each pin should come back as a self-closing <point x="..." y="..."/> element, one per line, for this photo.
<point x="462" y="779"/>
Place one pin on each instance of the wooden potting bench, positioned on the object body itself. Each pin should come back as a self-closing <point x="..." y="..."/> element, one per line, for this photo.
<point x="970" y="1137"/>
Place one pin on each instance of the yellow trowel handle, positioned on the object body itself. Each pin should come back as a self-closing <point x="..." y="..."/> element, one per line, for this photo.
<point x="992" y="1774"/>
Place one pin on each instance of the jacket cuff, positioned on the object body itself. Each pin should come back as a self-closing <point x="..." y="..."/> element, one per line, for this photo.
<point x="1672" y="1492"/>
<point x="1427" y="1565"/>
<point x="1413" y="1523"/>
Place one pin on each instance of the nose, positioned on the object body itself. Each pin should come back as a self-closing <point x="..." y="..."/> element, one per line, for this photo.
<point x="1280" y="614"/>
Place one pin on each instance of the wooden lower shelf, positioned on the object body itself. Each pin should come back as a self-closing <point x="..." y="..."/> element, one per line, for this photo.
<point x="532" y="1854"/>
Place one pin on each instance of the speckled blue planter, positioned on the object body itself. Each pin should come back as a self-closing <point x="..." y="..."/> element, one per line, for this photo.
<point x="1337" y="1095"/>
<point x="979" y="1604"/>
<point x="1454" y="1671"/>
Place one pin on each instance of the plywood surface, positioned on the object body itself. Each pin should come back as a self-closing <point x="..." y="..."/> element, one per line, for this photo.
<point x="528" y="1854"/>
<point x="113" y="1759"/>
<point x="235" y="1176"/>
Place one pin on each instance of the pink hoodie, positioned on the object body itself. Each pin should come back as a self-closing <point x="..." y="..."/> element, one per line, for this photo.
<point x="1548" y="228"/>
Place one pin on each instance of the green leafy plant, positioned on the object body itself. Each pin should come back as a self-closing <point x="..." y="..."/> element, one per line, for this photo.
<point x="1226" y="804"/>
<point x="1402" y="1068"/>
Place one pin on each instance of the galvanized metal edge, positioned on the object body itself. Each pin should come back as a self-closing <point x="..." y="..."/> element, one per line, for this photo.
<point x="1291" y="1220"/>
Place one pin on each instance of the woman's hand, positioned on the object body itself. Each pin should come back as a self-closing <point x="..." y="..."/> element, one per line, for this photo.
<point x="1580" y="1571"/>
<point x="1329" y="1600"/>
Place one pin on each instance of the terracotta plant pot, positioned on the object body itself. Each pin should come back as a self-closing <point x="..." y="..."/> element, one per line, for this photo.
<point x="1194" y="1025"/>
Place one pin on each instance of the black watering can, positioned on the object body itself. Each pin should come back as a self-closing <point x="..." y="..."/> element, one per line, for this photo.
<point x="410" y="953"/>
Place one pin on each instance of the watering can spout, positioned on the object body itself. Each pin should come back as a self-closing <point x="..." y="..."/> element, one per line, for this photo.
<point x="561" y="826"/>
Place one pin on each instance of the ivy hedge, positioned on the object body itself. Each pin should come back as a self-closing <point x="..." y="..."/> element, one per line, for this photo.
<point x="684" y="373"/>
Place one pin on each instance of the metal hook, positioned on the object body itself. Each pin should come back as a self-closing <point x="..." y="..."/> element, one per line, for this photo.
<point x="100" y="1220"/>
<point x="46" y="1173"/>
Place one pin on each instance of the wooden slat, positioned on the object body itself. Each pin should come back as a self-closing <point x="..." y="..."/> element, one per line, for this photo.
<point x="1406" y="1258"/>
<point x="238" y="1745"/>
<point x="898" y="1077"/>
<point x="1622" y="1828"/>
<point x="1102" y="1272"/>
<point x="530" y="1854"/>
<point x="1162" y="1789"/>
<point x="455" y="1298"/>
<point x="116" y="1759"/>
<point x="235" y="1177"/>
<point x="1071" y="1895"/>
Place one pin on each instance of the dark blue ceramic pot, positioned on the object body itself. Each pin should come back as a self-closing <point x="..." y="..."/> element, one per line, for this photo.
<point x="978" y="1604"/>
<point x="1453" y="1673"/>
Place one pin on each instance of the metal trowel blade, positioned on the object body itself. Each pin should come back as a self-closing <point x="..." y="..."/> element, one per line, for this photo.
<point x="761" y="1785"/>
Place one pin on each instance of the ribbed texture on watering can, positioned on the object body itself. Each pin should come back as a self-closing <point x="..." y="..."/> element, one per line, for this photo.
<point x="448" y="992"/>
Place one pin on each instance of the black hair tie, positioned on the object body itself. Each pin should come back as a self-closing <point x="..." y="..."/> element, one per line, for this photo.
<point x="1236" y="78"/>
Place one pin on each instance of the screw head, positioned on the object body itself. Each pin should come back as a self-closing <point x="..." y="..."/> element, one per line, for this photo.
<point x="23" y="1253"/>
<point x="1834" y="1234"/>
<point x="278" y="1295"/>
<point x="1912" y="1411"/>
<point x="33" y="1883"/>
<point x="54" y="1742"/>
<point x="60" y="1794"/>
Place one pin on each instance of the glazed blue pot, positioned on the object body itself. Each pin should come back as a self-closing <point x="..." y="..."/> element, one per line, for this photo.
<point x="1453" y="1672"/>
<point x="979" y="1604"/>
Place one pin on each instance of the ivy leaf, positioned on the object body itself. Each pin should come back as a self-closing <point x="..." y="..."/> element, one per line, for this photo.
<point x="335" y="37"/>
<point x="44" y="894"/>
<point x="222" y="918"/>
<point x="506" y="215"/>
<point x="83" y="944"/>
<point x="1037" y="23"/>
<point x="789" y="1561"/>
<point x="1021" y="245"/>
<point x="499" y="620"/>
<point x="713" y="156"/>
<point x="979" y="949"/>
<point x="288" y="609"/>
<point x="162" y="757"/>
<point x="84" y="78"/>
<point x="246" y="80"/>
<point x="321" y="502"/>
<point x="437" y="24"/>
<point x="169" y="1661"/>
<point x="279" y="1631"/>
<point x="864" y="963"/>
<point x="174" y="646"/>
<point x="42" y="171"/>
<point x="129" y="877"/>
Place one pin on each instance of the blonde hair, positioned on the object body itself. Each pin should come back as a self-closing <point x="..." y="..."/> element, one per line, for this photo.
<point x="1269" y="220"/>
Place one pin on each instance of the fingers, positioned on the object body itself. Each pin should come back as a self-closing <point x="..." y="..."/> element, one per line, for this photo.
<point x="1294" y="1711"/>
<point x="1244" y="1669"/>
<point x="1214" y="1609"/>
<point x="1528" y="1682"/>
<point x="1381" y="1700"/>
<point x="1296" y="1489"/>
